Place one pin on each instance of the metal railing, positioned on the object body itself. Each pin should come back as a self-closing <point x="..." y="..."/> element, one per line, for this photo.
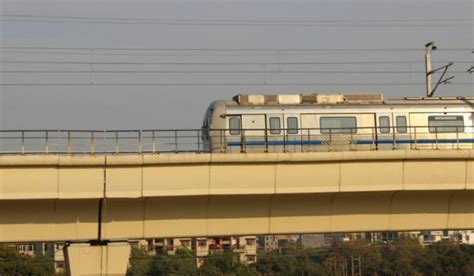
<point x="241" y="141"/>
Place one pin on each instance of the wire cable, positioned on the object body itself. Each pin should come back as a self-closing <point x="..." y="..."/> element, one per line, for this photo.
<point x="220" y="63"/>
<point x="228" y="49"/>
<point x="236" y="20"/>
<point x="215" y="72"/>
<point x="437" y="25"/>
<point x="221" y="84"/>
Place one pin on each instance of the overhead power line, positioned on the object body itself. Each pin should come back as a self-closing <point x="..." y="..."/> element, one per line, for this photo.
<point x="214" y="72"/>
<point x="219" y="84"/>
<point x="227" y="49"/>
<point x="217" y="63"/>
<point x="240" y="24"/>
<point x="239" y="20"/>
<point x="222" y="54"/>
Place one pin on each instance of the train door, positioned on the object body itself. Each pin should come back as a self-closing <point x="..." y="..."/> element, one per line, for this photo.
<point x="253" y="132"/>
<point x="275" y="133"/>
<point x="402" y="130"/>
<point x="385" y="130"/>
<point x="292" y="132"/>
<point x="232" y="139"/>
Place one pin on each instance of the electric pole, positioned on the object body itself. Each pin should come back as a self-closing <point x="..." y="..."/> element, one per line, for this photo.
<point x="429" y="72"/>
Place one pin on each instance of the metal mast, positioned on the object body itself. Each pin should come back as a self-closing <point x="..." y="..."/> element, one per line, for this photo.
<point x="429" y="72"/>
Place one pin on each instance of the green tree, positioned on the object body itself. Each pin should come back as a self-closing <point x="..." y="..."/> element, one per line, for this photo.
<point x="444" y="258"/>
<point x="13" y="263"/>
<point x="225" y="263"/>
<point x="183" y="262"/>
<point x="400" y="258"/>
<point x="140" y="263"/>
<point x="293" y="260"/>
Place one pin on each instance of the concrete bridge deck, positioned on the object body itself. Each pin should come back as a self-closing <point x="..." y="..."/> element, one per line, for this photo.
<point x="121" y="197"/>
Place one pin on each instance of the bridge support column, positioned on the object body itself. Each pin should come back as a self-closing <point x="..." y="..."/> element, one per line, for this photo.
<point x="86" y="259"/>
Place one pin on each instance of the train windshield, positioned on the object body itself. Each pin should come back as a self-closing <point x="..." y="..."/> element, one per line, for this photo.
<point x="206" y="123"/>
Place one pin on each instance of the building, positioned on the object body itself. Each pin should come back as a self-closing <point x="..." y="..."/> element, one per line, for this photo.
<point x="467" y="237"/>
<point x="313" y="240"/>
<point x="245" y="248"/>
<point x="268" y="243"/>
<point x="51" y="250"/>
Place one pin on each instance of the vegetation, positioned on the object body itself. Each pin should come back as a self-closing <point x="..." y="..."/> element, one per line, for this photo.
<point x="405" y="257"/>
<point x="183" y="262"/>
<point x="12" y="263"/>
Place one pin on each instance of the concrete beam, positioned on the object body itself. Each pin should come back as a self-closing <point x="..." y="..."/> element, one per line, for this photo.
<point x="217" y="215"/>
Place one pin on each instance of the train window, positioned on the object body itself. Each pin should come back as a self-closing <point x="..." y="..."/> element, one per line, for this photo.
<point x="338" y="125"/>
<point x="234" y="126"/>
<point x="402" y="124"/>
<point x="384" y="122"/>
<point x="275" y="127"/>
<point x="446" y="124"/>
<point x="292" y="125"/>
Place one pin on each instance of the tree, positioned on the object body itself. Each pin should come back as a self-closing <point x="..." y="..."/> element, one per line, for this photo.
<point x="140" y="263"/>
<point x="225" y="263"/>
<point x="13" y="263"/>
<point x="444" y="258"/>
<point x="183" y="262"/>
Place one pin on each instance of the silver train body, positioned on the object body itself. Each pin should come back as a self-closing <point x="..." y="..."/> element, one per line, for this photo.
<point x="336" y="122"/>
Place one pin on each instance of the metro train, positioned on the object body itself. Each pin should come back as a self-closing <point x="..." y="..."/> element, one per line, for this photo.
<point x="327" y="122"/>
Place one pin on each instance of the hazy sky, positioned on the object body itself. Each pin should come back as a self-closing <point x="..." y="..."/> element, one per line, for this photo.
<point x="265" y="25"/>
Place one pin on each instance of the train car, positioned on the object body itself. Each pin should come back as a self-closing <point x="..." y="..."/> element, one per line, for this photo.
<point x="337" y="122"/>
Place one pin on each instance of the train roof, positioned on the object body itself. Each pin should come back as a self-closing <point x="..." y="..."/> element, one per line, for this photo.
<point x="343" y="99"/>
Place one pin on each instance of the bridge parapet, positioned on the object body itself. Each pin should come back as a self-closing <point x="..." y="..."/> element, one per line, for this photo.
<point x="92" y="142"/>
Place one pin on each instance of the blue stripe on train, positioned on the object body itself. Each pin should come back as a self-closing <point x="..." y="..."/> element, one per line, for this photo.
<point x="356" y="142"/>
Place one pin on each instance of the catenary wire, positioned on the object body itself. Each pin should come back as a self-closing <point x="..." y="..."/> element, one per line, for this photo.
<point x="236" y="20"/>
<point x="219" y="63"/>
<point x="237" y="24"/>
<point x="221" y="84"/>
<point x="217" y="72"/>
<point x="226" y="49"/>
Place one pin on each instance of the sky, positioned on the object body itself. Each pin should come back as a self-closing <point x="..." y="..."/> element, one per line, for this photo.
<point x="242" y="47"/>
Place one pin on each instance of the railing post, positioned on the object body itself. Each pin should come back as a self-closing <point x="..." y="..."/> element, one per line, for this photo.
<point x="92" y="143"/>
<point x="46" y="147"/>
<point x="352" y="141"/>
<point x="265" y="135"/>
<point x="68" y="142"/>
<point x="457" y="137"/>
<point x="243" y="144"/>
<point x="104" y="135"/>
<point x="139" y="141"/>
<point x="22" y="142"/>
<point x="309" y="140"/>
<point x="176" y="141"/>
<point x="415" y="137"/>
<point x="394" y="137"/>
<point x="374" y="144"/>
<point x="330" y="139"/>
<point x="221" y="141"/>
<point x="436" y="135"/>
<point x="153" y="142"/>
<point x="198" y="141"/>
<point x="117" y="148"/>
<point x="301" y="139"/>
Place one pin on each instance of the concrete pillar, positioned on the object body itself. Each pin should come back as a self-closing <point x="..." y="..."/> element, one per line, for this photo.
<point x="85" y="259"/>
